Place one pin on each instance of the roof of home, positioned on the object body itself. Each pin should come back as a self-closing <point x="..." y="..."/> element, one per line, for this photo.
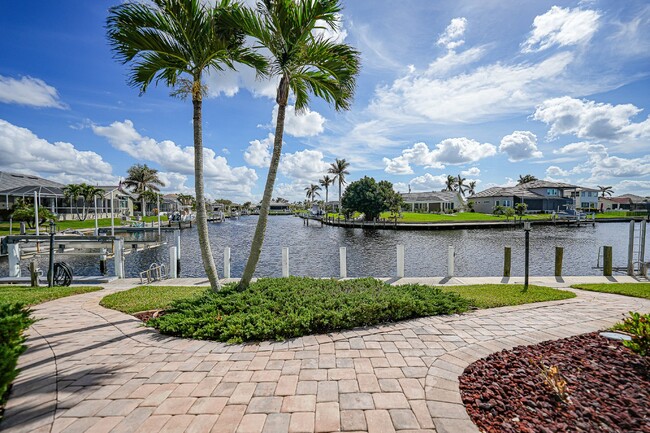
<point x="626" y="200"/>
<point x="635" y="198"/>
<point x="441" y="196"/>
<point x="508" y="191"/>
<point x="547" y="184"/>
<point x="28" y="191"/>
<point x="9" y="181"/>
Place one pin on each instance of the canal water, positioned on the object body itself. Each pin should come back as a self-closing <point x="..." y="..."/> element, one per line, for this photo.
<point x="314" y="250"/>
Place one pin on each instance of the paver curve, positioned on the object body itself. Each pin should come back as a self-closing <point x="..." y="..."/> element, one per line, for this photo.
<point x="92" y="369"/>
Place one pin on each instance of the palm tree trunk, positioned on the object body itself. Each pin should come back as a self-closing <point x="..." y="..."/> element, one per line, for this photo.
<point x="340" y="204"/>
<point x="201" y="215"/>
<point x="258" y="238"/>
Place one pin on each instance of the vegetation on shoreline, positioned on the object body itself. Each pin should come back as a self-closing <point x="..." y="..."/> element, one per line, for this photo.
<point x="280" y="308"/>
<point x="638" y="290"/>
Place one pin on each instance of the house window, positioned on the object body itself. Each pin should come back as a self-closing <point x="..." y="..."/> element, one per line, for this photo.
<point x="497" y="203"/>
<point x="551" y="191"/>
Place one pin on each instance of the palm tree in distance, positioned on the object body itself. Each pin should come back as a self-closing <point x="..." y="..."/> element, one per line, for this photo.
<point x="339" y="169"/>
<point x="325" y="182"/>
<point x="72" y="192"/>
<point x="471" y="188"/>
<point x="526" y="178"/>
<point x="311" y="192"/>
<point x="175" y="42"/>
<point x="450" y="183"/>
<point x="307" y="62"/>
<point x="141" y="178"/>
<point x="460" y="185"/>
<point x="89" y="193"/>
<point x="605" y="190"/>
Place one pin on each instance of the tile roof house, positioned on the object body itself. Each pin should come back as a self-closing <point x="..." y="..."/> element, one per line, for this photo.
<point x="539" y="195"/>
<point x="439" y="201"/>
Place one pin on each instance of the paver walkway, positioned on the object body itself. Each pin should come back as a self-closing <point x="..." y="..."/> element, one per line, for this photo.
<point x="92" y="369"/>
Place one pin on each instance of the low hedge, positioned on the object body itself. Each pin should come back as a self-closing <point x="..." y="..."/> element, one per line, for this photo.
<point x="281" y="308"/>
<point x="14" y="320"/>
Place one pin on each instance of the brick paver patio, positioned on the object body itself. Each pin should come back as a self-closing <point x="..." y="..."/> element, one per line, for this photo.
<point x="92" y="369"/>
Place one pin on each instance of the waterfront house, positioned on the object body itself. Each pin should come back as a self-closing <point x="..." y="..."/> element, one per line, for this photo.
<point x="429" y="202"/>
<point x="585" y="199"/>
<point x="123" y="202"/>
<point x="614" y="204"/>
<point x="278" y="207"/>
<point x="538" y="195"/>
<point x="14" y="186"/>
<point x="637" y="203"/>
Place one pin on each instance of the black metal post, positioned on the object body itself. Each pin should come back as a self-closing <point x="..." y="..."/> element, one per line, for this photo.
<point x="50" y="274"/>
<point x="527" y="254"/>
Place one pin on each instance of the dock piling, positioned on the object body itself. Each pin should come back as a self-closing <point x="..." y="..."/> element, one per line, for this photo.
<point x="400" y="261"/>
<point x="226" y="262"/>
<point x="507" y="261"/>
<point x="343" y="262"/>
<point x="450" y="261"/>
<point x="119" y="258"/>
<point x="630" y="250"/>
<point x="33" y="274"/>
<point x="172" y="262"/>
<point x="559" y="255"/>
<point x="607" y="261"/>
<point x="285" y="262"/>
<point x="178" y="251"/>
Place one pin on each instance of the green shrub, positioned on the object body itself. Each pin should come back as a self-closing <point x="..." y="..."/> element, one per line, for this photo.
<point x="14" y="320"/>
<point x="638" y="325"/>
<point x="280" y="308"/>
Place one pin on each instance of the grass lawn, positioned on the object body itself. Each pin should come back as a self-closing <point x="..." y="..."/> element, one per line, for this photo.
<point x="413" y="217"/>
<point x="144" y="298"/>
<point x="35" y="295"/>
<point x="73" y="224"/>
<point x="501" y="295"/>
<point x="280" y="308"/>
<point x="638" y="290"/>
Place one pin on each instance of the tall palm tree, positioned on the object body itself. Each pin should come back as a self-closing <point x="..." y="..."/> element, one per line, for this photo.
<point x="176" y="42"/>
<point x="325" y="182"/>
<point x="307" y="63"/>
<point x="450" y="183"/>
<point x="89" y="193"/>
<point x="471" y="188"/>
<point x="311" y="192"/>
<point x="339" y="169"/>
<point x="460" y="185"/>
<point x="526" y="178"/>
<point x="141" y="178"/>
<point x="605" y="190"/>
<point x="72" y="192"/>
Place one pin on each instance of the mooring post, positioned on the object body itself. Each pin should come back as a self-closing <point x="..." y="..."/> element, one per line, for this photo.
<point x="526" y="254"/>
<point x="13" y="250"/>
<point x="285" y="262"/>
<point x="507" y="261"/>
<point x="450" y="261"/>
<point x="400" y="261"/>
<point x="559" y="255"/>
<point x="178" y="251"/>
<point x="607" y="261"/>
<point x="50" y="273"/>
<point x="343" y="262"/>
<point x="33" y="273"/>
<point x="642" y="234"/>
<point x="226" y="262"/>
<point x="102" y="261"/>
<point x="630" y="250"/>
<point x="172" y="262"/>
<point x="119" y="258"/>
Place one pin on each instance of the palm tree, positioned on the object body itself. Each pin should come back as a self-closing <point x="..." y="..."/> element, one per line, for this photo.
<point x="460" y="185"/>
<point x="311" y="192"/>
<point x="339" y="170"/>
<point x="605" y="190"/>
<point x="325" y="182"/>
<point x="168" y="41"/>
<point x="307" y="63"/>
<point x="471" y="188"/>
<point x="526" y="178"/>
<point x="141" y="179"/>
<point x="89" y="193"/>
<point x="450" y="183"/>
<point x="72" y="192"/>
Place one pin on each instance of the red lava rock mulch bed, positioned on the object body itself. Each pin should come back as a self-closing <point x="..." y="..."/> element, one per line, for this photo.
<point x="145" y="316"/>
<point x="608" y="386"/>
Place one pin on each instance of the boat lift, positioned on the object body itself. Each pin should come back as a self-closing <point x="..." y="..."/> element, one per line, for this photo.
<point x="636" y="260"/>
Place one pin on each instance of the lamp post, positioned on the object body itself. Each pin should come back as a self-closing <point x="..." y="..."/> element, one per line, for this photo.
<point x="527" y="253"/>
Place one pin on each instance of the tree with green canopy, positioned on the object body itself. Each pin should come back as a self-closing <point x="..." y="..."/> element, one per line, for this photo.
<point x="307" y="62"/>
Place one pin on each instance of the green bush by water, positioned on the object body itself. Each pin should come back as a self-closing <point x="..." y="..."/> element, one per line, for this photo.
<point x="281" y="308"/>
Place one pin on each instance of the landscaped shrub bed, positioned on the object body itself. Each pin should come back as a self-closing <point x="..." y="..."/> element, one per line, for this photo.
<point x="280" y="308"/>
<point x="14" y="320"/>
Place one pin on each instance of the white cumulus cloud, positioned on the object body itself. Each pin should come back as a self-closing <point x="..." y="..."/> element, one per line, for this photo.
<point x="520" y="145"/>
<point x="22" y="150"/>
<point x="307" y="124"/>
<point x="307" y="165"/>
<point x="472" y="171"/>
<point x="172" y="157"/>
<point x="258" y="152"/>
<point x="29" y="91"/>
<point x="561" y="27"/>
<point x="452" y="36"/>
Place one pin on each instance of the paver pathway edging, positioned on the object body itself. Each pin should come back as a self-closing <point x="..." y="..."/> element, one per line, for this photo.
<point x="93" y="369"/>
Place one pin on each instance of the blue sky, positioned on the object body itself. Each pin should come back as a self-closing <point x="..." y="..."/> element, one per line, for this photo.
<point x="492" y="90"/>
